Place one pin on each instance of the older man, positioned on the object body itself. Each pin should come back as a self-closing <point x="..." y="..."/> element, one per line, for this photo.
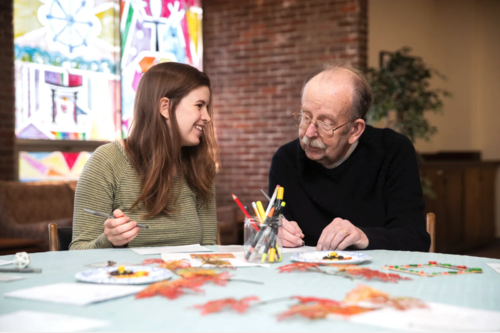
<point x="346" y="183"/>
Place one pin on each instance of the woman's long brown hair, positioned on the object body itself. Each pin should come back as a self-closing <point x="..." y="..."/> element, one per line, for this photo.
<point x="154" y="151"/>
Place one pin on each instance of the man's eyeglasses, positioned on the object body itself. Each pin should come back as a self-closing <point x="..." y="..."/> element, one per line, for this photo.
<point x="325" y="130"/>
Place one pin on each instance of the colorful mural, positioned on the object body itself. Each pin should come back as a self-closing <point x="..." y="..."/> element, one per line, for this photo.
<point x="75" y="80"/>
<point x="67" y="55"/>
<point x="51" y="165"/>
<point x="154" y="31"/>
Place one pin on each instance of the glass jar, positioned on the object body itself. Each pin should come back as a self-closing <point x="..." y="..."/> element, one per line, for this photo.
<point x="263" y="243"/>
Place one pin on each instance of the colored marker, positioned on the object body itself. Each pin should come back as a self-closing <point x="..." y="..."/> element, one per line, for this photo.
<point x="238" y="202"/>
<point x="254" y="206"/>
<point x="261" y="211"/>
<point x="271" y="202"/>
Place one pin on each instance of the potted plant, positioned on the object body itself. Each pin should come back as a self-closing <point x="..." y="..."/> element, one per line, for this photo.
<point x="402" y="95"/>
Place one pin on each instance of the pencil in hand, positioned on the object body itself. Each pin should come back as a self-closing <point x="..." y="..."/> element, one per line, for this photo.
<point x="93" y="212"/>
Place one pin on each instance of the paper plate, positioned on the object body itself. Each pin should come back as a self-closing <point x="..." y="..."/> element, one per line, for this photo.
<point x="102" y="275"/>
<point x="317" y="257"/>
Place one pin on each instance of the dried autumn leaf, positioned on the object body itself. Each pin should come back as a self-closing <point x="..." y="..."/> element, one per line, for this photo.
<point x="153" y="261"/>
<point x="377" y="297"/>
<point x="314" y="311"/>
<point x="324" y="301"/>
<point x="174" y="265"/>
<point x="321" y="308"/>
<point x="300" y="266"/>
<point x="366" y="293"/>
<point x="173" y="289"/>
<point x="216" y="262"/>
<point x="216" y="306"/>
<point x="367" y="273"/>
<point x="406" y="303"/>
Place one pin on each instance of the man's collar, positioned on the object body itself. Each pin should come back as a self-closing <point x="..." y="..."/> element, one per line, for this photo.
<point x="349" y="152"/>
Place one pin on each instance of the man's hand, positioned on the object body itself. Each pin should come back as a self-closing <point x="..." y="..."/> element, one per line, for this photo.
<point x="292" y="234"/>
<point x="340" y="234"/>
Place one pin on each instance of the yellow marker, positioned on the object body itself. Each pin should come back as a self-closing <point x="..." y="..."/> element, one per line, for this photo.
<point x="254" y="206"/>
<point x="271" y="255"/>
<point x="261" y="210"/>
<point x="263" y="260"/>
<point x="281" y="191"/>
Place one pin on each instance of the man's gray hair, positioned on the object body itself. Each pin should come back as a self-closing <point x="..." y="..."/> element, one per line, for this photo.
<point x="363" y="95"/>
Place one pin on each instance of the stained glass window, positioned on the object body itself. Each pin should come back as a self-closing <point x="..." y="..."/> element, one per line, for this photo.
<point x="78" y="64"/>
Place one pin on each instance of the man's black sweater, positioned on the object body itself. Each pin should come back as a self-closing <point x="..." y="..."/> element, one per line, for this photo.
<point x="377" y="189"/>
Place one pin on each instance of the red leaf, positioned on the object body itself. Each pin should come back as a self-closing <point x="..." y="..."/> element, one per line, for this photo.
<point x="216" y="306"/>
<point x="300" y="266"/>
<point x="153" y="261"/>
<point x="324" y="301"/>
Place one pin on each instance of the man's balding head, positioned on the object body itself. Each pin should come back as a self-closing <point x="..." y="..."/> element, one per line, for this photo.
<point x="341" y="76"/>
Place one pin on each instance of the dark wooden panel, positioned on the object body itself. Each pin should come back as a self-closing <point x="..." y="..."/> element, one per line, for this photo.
<point x="464" y="203"/>
<point x="473" y="212"/>
<point x="448" y="186"/>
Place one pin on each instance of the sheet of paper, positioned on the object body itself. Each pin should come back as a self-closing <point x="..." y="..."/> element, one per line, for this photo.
<point x="230" y="248"/>
<point x="5" y="262"/>
<point x="299" y="249"/>
<point x="34" y="321"/>
<point x="171" y="249"/>
<point x="238" y="261"/>
<point x="7" y="278"/>
<point x="495" y="266"/>
<point x="438" y="317"/>
<point x="74" y="293"/>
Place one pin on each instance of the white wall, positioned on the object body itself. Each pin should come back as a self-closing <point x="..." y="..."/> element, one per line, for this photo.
<point x="461" y="39"/>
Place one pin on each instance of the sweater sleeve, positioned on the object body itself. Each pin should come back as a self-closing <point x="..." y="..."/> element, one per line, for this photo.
<point x="95" y="190"/>
<point x="208" y="219"/>
<point x="274" y="180"/>
<point x="405" y="227"/>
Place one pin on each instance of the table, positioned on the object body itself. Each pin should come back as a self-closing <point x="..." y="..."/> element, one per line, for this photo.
<point x="481" y="291"/>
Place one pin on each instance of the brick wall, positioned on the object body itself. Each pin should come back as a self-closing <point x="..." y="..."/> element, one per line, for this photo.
<point x="257" y="54"/>
<point x="7" y="163"/>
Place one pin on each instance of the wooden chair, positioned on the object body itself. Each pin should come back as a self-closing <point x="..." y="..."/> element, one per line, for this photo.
<point x="59" y="237"/>
<point x="218" y="234"/>
<point x="431" y="229"/>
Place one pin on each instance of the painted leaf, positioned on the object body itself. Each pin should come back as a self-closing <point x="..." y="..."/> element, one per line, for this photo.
<point x="300" y="266"/>
<point x="216" y="306"/>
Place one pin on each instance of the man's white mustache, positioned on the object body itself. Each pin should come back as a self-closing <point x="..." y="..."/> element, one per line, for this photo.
<point x="316" y="143"/>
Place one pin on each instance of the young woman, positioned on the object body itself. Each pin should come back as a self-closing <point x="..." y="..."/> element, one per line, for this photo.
<point x="161" y="176"/>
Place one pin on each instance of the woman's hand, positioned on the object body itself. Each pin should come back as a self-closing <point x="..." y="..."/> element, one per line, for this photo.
<point x="119" y="230"/>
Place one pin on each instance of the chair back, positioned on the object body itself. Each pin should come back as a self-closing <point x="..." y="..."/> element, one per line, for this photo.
<point x="431" y="229"/>
<point x="59" y="238"/>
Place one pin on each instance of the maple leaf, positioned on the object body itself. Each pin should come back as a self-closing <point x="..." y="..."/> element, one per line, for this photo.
<point x="319" y="308"/>
<point x="174" y="265"/>
<point x="153" y="261"/>
<point x="377" y="297"/>
<point x="211" y="275"/>
<point x="369" y="274"/>
<point x="216" y="306"/>
<point x="300" y="266"/>
<point x="366" y="293"/>
<point x="406" y="303"/>
<point x="172" y="289"/>
<point x="324" y="301"/>
<point x="314" y="311"/>
<point x="216" y="262"/>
